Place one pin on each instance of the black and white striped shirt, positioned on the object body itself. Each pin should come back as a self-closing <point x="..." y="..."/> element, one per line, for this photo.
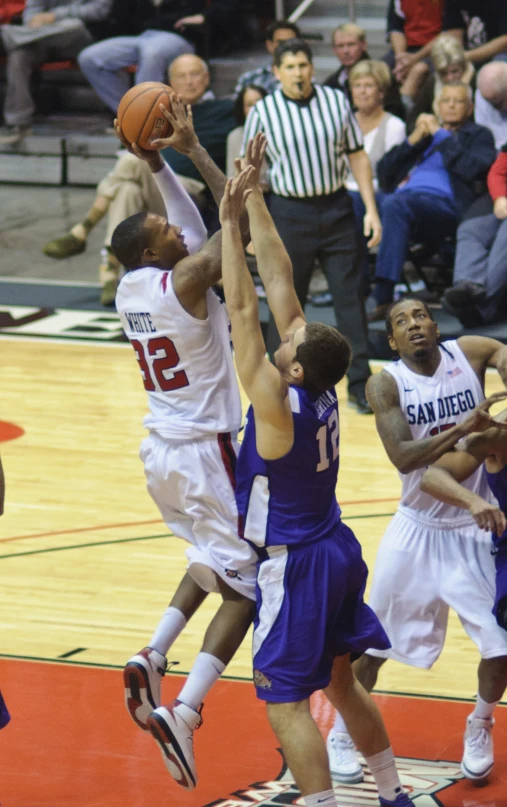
<point x="307" y="141"/>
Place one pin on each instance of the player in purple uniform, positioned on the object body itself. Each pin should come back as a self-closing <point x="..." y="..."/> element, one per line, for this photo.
<point x="311" y="577"/>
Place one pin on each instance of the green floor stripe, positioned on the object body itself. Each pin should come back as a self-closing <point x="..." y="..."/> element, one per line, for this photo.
<point x="80" y="546"/>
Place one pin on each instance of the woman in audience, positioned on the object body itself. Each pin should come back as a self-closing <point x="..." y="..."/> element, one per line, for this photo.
<point x="479" y="292"/>
<point x="369" y="81"/>
<point x="246" y="99"/>
<point x="451" y="64"/>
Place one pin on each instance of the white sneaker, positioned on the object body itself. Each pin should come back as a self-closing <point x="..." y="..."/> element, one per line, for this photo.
<point x="173" y="726"/>
<point x="478" y="758"/>
<point x="343" y="761"/>
<point x="142" y="675"/>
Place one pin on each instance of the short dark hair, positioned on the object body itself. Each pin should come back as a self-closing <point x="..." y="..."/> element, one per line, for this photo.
<point x="130" y="238"/>
<point x="292" y="46"/>
<point x="282" y="25"/>
<point x="389" y="322"/>
<point x="238" y="104"/>
<point x="325" y="356"/>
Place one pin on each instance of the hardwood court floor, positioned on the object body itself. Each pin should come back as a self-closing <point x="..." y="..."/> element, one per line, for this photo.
<point x="87" y="567"/>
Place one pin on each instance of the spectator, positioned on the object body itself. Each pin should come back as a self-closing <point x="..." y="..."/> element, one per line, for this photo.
<point x="436" y="175"/>
<point x="279" y="31"/>
<point x="129" y="188"/>
<point x="491" y="100"/>
<point x="412" y="26"/>
<point x="246" y="100"/>
<point x="369" y="84"/>
<point x="350" y="47"/>
<point x="480" y="273"/>
<point x="161" y="32"/>
<point x="51" y="29"/>
<point x="309" y="204"/>
<point x="450" y="63"/>
<point x="480" y="25"/>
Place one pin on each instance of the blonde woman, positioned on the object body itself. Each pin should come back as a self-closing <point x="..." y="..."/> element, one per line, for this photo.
<point x="369" y="82"/>
<point x="451" y="63"/>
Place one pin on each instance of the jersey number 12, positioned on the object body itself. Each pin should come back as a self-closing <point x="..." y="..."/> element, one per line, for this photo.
<point x="334" y="432"/>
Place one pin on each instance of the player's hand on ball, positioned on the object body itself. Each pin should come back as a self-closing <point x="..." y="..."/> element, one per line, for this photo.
<point x="142" y="154"/>
<point x="487" y="516"/>
<point x="235" y="195"/>
<point x="183" y="138"/>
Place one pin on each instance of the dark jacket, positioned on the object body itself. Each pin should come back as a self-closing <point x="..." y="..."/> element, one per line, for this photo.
<point x="467" y="156"/>
<point x="392" y="101"/>
<point x="132" y="17"/>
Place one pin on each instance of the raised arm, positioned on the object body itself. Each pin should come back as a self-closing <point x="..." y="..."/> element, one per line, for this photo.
<point x="262" y="382"/>
<point x="408" y="454"/>
<point x="273" y="262"/>
<point x="482" y="352"/>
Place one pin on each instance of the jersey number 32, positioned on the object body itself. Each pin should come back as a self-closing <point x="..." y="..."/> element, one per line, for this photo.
<point x="165" y="360"/>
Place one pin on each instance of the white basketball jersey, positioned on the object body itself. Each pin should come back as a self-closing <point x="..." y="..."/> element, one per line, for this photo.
<point x="432" y="405"/>
<point x="186" y="363"/>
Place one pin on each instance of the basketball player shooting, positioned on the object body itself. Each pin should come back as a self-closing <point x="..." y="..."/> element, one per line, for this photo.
<point x="311" y="577"/>
<point x="179" y="330"/>
<point x="433" y="555"/>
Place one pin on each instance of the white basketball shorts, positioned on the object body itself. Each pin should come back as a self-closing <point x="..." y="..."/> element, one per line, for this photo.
<point x="192" y="485"/>
<point x="423" y="568"/>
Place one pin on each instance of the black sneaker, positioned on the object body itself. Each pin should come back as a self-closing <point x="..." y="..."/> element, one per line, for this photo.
<point x="358" y="402"/>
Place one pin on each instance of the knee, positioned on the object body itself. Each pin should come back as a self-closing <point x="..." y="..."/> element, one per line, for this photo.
<point x="283" y="714"/>
<point x="87" y="58"/>
<point x="419" y="71"/>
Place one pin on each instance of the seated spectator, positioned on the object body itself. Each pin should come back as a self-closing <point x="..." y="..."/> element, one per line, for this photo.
<point x="412" y="26"/>
<point x="369" y="85"/>
<point x="161" y="31"/>
<point x="278" y="31"/>
<point x="350" y="48"/>
<point x="51" y="30"/>
<point x="450" y="63"/>
<point x="480" y="25"/>
<point x="491" y="100"/>
<point x="432" y="178"/>
<point x="480" y="271"/>
<point x="247" y="98"/>
<point x="129" y="188"/>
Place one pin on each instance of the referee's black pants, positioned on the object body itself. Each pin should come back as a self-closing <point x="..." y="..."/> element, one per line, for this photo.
<point x="323" y="227"/>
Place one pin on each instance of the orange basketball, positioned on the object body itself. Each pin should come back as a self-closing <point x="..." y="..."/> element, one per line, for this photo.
<point x="139" y="115"/>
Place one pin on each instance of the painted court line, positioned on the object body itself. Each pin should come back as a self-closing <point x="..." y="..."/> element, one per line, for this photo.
<point x="157" y="521"/>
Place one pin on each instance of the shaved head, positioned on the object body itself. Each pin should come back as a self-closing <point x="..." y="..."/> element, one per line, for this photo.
<point x="492" y="83"/>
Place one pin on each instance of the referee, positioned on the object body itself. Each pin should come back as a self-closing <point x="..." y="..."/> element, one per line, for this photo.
<point x="311" y="132"/>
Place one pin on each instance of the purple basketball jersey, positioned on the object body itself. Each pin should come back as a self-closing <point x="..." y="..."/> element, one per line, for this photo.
<point x="498" y="484"/>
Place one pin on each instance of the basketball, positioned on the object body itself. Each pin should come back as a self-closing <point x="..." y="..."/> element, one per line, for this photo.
<point x="139" y="115"/>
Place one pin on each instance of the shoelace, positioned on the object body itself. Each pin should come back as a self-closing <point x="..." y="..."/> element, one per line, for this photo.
<point x="480" y="737"/>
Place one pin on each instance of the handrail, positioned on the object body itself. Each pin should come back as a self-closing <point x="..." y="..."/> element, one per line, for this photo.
<point x="300" y="10"/>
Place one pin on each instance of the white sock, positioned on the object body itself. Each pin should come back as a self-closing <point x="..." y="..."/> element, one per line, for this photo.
<point x="168" y="630"/>
<point x="484" y="710"/>
<point x="339" y="724"/>
<point x="326" y="798"/>
<point x="205" y="671"/>
<point x="383" y="769"/>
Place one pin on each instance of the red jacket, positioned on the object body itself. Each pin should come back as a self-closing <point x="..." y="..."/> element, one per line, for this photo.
<point x="497" y="177"/>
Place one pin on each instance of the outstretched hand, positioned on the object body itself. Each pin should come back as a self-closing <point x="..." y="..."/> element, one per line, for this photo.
<point x="147" y="155"/>
<point x="479" y="419"/>
<point x="235" y="195"/>
<point x="254" y="157"/>
<point x="183" y="138"/>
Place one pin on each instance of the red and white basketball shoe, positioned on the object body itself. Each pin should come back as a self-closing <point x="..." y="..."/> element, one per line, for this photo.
<point x="173" y="726"/>
<point x="142" y="675"/>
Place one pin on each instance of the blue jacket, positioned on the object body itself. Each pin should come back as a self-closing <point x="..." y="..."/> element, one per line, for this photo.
<point x="467" y="156"/>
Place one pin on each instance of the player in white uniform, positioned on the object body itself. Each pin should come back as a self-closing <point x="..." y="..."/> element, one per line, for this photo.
<point x="433" y="556"/>
<point x="179" y="330"/>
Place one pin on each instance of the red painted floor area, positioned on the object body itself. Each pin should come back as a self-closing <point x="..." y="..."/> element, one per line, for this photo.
<point x="70" y="743"/>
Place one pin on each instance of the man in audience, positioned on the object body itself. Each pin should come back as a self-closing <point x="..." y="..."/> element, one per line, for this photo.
<point x="350" y="47"/>
<point x="491" y="100"/>
<point x="480" y="25"/>
<point x="278" y="31"/>
<point x="480" y="272"/>
<point x="51" y="30"/>
<point x="161" y="31"/>
<point x="431" y="178"/>
<point x="129" y="188"/>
